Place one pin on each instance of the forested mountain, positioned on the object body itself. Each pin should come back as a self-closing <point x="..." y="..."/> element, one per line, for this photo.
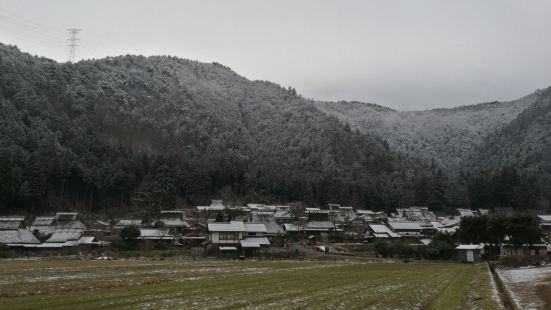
<point x="497" y="153"/>
<point x="159" y="132"/>
<point x="446" y="136"/>
<point x="131" y="133"/>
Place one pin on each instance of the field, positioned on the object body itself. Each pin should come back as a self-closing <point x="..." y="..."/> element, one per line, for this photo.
<point x="530" y="287"/>
<point x="217" y="284"/>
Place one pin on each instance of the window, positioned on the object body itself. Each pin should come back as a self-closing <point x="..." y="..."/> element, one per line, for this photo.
<point x="226" y="236"/>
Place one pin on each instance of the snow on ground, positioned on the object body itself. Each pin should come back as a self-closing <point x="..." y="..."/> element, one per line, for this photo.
<point x="525" y="274"/>
<point x="522" y="283"/>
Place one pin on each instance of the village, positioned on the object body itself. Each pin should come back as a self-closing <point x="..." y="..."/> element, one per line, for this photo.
<point x="255" y="230"/>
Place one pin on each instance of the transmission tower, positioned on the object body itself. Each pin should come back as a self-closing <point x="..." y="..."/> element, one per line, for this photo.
<point x="73" y="43"/>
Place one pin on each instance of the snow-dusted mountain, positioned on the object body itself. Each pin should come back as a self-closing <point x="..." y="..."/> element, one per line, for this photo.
<point x="447" y="136"/>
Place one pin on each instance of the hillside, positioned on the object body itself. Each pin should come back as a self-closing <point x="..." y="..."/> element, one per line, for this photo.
<point x="160" y="132"/>
<point x="523" y="144"/>
<point x="447" y="136"/>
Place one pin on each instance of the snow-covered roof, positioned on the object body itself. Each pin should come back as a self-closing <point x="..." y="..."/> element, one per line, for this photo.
<point x="129" y="222"/>
<point x="470" y="247"/>
<point x="69" y="224"/>
<point x="66" y="216"/>
<point x="60" y="236"/>
<point x="290" y="227"/>
<point x="17" y="236"/>
<point x="173" y="222"/>
<point x="86" y="240"/>
<point x="233" y="226"/>
<point x="404" y="225"/>
<point x="11" y="222"/>
<point x="319" y="226"/>
<point x="380" y="230"/>
<point x="154" y="234"/>
<point x="258" y="239"/>
<point x="255" y="227"/>
<point x="43" y="221"/>
<point x="210" y="208"/>
<point x="273" y="228"/>
<point x="545" y="218"/>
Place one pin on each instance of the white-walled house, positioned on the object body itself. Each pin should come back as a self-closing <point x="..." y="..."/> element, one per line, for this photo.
<point x="238" y="236"/>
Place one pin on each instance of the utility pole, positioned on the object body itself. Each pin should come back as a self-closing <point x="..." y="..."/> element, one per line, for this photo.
<point x="73" y="43"/>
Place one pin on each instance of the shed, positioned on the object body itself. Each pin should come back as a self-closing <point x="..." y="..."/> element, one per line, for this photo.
<point x="469" y="253"/>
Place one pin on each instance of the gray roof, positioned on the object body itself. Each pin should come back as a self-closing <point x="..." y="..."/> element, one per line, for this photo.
<point x="545" y="218"/>
<point x="255" y="227"/>
<point x="404" y="225"/>
<point x="381" y="231"/>
<point x="319" y="225"/>
<point x="470" y="247"/>
<point x="174" y="222"/>
<point x="43" y="221"/>
<point x="129" y="222"/>
<point x="17" y="236"/>
<point x="154" y="234"/>
<point x="233" y="226"/>
<point x="254" y="242"/>
<point x="66" y="216"/>
<point x="60" y="236"/>
<point x="70" y="224"/>
<point x="43" y="229"/>
<point x="290" y="227"/>
<point x="273" y="228"/>
<point x="11" y="222"/>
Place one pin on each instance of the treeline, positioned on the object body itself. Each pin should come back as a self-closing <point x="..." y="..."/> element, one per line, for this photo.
<point x="519" y="229"/>
<point x="161" y="132"/>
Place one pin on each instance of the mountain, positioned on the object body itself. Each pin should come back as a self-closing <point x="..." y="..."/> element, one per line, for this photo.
<point x="495" y="155"/>
<point x="523" y="144"/>
<point x="161" y="132"/>
<point x="446" y="136"/>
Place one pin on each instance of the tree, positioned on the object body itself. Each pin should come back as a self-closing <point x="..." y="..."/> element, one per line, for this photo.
<point x="130" y="236"/>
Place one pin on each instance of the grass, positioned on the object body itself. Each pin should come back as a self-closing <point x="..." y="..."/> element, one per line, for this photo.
<point x="206" y="284"/>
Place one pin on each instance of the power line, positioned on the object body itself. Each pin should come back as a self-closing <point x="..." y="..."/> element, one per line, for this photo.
<point x="73" y="39"/>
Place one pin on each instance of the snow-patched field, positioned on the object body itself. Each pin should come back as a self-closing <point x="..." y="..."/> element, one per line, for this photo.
<point x="522" y="283"/>
<point x="217" y="284"/>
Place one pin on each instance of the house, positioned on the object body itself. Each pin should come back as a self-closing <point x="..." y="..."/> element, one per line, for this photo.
<point x="320" y="226"/>
<point x="283" y="214"/>
<point x="173" y="220"/>
<point x="406" y="229"/>
<point x="380" y="231"/>
<point x="123" y="223"/>
<point x="291" y="228"/>
<point x="11" y="222"/>
<point x="238" y="237"/>
<point x="18" y="237"/>
<point x="45" y="225"/>
<point x="415" y="214"/>
<point x="68" y="220"/>
<point x="470" y="253"/>
<point x="155" y="234"/>
<point x="215" y="206"/>
<point x="545" y="224"/>
<point x="538" y="249"/>
<point x="378" y="216"/>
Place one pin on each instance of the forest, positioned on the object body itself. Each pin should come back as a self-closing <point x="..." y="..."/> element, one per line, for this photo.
<point x="131" y="132"/>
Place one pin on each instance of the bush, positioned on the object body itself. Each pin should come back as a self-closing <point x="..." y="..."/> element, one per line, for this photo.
<point x="520" y="261"/>
<point x="5" y="251"/>
<point x="130" y="236"/>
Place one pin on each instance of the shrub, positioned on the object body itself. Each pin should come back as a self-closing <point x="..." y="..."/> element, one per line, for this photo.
<point x="130" y="236"/>
<point x="5" y="251"/>
<point x="519" y="261"/>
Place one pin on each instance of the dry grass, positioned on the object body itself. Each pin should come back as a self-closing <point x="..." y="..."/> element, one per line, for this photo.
<point x="235" y="285"/>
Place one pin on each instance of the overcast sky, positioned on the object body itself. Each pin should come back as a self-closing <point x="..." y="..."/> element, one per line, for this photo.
<point x="408" y="55"/>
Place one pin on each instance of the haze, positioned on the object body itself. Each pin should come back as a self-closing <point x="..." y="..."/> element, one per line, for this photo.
<point x="408" y="55"/>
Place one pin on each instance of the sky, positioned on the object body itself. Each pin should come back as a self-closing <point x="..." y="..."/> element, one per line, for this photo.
<point x="408" y="55"/>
